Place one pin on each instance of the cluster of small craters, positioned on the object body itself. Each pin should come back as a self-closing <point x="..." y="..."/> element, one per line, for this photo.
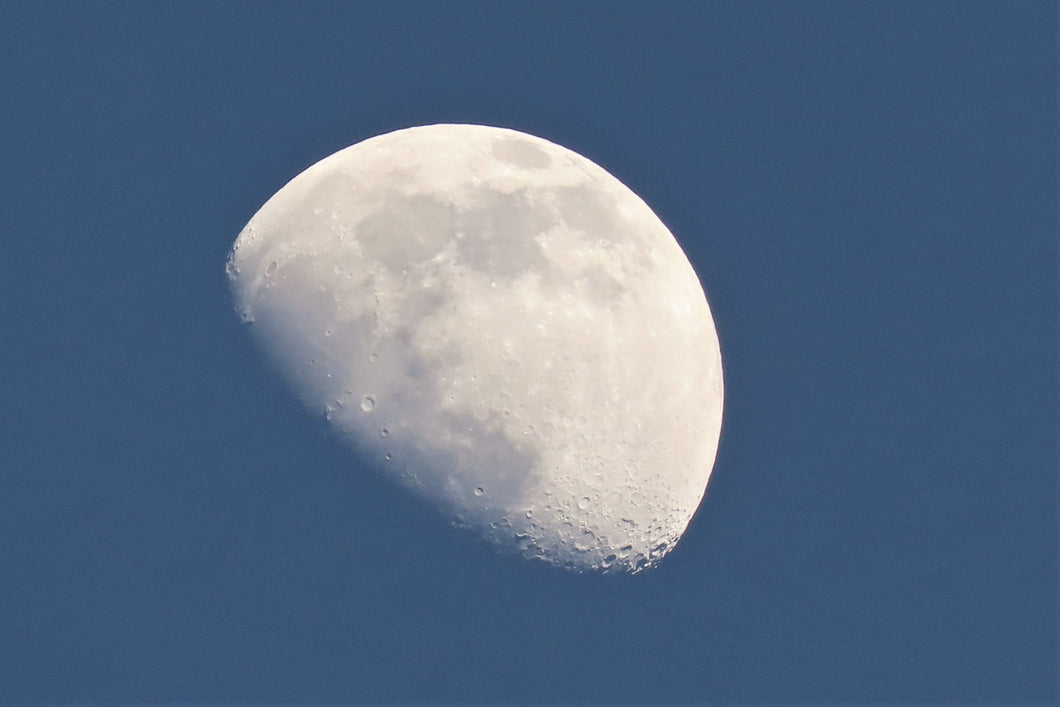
<point x="573" y="547"/>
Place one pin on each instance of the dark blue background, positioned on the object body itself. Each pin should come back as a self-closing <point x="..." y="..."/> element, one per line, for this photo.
<point x="866" y="189"/>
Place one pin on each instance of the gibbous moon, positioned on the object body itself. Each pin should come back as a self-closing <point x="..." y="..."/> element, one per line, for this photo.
<point x="504" y="327"/>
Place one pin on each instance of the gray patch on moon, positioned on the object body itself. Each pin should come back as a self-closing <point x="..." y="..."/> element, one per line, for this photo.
<point x="601" y="288"/>
<point x="495" y="236"/>
<point x="476" y="452"/>
<point x="463" y="451"/>
<point x="489" y="460"/>
<point x="422" y="301"/>
<point x="521" y="153"/>
<point x="406" y="231"/>
<point x="498" y="235"/>
<point x="401" y="176"/>
<point x="587" y="209"/>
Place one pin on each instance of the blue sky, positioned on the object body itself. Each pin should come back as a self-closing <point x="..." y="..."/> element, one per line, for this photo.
<point x="866" y="190"/>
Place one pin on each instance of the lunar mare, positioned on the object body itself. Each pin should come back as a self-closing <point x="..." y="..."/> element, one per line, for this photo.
<point x="504" y="327"/>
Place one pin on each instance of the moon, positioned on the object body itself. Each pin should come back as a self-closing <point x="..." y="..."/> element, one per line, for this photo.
<point x="502" y="327"/>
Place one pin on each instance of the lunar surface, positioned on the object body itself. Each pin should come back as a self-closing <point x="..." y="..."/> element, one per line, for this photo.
<point x="504" y="328"/>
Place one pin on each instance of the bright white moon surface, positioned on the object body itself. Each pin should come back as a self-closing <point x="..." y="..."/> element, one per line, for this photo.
<point x="504" y="328"/>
